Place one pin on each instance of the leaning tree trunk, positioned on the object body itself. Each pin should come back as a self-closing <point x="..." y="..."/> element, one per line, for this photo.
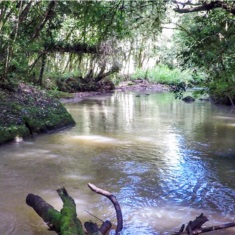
<point x="64" y="222"/>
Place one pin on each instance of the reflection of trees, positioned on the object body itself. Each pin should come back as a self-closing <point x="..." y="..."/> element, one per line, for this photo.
<point x="155" y="115"/>
<point x="216" y="129"/>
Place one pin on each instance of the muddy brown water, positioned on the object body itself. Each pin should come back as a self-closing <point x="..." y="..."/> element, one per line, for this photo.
<point x="166" y="161"/>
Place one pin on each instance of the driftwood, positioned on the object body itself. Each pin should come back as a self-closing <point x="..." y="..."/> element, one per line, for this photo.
<point x="66" y="222"/>
<point x="63" y="222"/>
<point x="195" y="226"/>
<point x="113" y="199"/>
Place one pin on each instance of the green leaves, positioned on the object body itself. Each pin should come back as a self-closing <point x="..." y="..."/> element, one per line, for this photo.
<point x="209" y="45"/>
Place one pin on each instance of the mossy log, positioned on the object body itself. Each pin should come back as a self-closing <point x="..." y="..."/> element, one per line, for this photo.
<point x="66" y="222"/>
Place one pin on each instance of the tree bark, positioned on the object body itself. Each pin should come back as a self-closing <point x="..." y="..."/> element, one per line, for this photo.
<point x="48" y="15"/>
<point x="64" y="222"/>
<point x="44" y="58"/>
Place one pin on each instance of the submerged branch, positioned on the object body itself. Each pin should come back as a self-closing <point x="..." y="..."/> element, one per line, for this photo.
<point x="194" y="227"/>
<point x="113" y="199"/>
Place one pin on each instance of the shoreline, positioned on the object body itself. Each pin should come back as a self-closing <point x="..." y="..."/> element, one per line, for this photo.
<point x="137" y="86"/>
<point x="28" y="111"/>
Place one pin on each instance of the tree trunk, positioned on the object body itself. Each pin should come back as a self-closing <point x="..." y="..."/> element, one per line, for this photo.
<point x="44" y="58"/>
<point x="64" y="222"/>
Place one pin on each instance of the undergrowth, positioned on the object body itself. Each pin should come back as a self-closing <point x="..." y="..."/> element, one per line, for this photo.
<point x="163" y="74"/>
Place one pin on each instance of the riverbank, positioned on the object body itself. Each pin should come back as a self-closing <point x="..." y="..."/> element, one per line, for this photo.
<point x="141" y="85"/>
<point x="136" y="86"/>
<point x="28" y="111"/>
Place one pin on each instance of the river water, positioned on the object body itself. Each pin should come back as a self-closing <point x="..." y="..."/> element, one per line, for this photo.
<point x="166" y="161"/>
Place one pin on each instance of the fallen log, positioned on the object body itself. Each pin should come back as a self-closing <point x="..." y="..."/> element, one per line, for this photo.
<point x="66" y="222"/>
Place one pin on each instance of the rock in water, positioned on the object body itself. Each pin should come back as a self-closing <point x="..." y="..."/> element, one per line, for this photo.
<point x="188" y="99"/>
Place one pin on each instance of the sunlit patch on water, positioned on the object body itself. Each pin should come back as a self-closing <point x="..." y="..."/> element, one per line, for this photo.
<point x="40" y="154"/>
<point x="86" y="178"/>
<point x="231" y="124"/>
<point x="146" y="139"/>
<point x="225" y="117"/>
<point x="97" y="139"/>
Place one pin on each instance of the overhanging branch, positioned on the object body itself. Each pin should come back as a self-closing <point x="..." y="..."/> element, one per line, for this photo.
<point x="205" y="6"/>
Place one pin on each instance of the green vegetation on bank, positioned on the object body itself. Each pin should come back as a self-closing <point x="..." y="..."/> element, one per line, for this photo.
<point x="164" y="75"/>
<point x="68" y="46"/>
<point x="28" y="111"/>
<point x="207" y="42"/>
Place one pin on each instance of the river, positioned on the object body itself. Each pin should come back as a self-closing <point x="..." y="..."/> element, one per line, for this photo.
<point x="165" y="160"/>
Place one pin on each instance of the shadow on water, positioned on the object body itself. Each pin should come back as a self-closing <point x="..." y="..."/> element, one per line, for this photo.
<point x="166" y="161"/>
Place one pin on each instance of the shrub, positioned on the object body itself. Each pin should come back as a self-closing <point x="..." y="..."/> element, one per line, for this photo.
<point x="163" y="74"/>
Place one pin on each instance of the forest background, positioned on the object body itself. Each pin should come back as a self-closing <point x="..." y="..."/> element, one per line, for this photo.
<point x="76" y="46"/>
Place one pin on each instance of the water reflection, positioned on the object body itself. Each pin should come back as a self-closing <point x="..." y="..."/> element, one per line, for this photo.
<point x="166" y="161"/>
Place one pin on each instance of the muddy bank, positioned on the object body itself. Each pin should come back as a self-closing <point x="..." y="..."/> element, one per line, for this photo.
<point x="142" y="86"/>
<point x="137" y="86"/>
<point x="79" y="96"/>
<point x="29" y="111"/>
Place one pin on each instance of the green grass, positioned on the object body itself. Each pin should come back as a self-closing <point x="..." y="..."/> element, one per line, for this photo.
<point x="163" y="74"/>
<point x="60" y="94"/>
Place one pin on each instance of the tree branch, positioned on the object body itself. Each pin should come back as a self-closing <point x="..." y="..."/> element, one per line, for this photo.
<point x="47" y="16"/>
<point x="113" y="199"/>
<point x="204" y="7"/>
<point x="195" y="227"/>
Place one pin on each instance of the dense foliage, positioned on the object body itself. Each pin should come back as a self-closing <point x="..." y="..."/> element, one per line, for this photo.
<point x="208" y="44"/>
<point x="53" y="43"/>
<point x="164" y="75"/>
<point x="59" y="36"/>
<point x="205" y="42"/>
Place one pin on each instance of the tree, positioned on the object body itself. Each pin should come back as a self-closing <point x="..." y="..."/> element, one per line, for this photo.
<point x="34" y="33"/>
<point x="198" y="6"/>
<point x="208" y="44"/>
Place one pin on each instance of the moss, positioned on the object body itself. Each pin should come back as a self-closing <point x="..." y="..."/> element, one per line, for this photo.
<point x="9" y="133"/>
<point x="30" y="111"/>
<point x="49" y="122"/>
<point x="69" y="223"/>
